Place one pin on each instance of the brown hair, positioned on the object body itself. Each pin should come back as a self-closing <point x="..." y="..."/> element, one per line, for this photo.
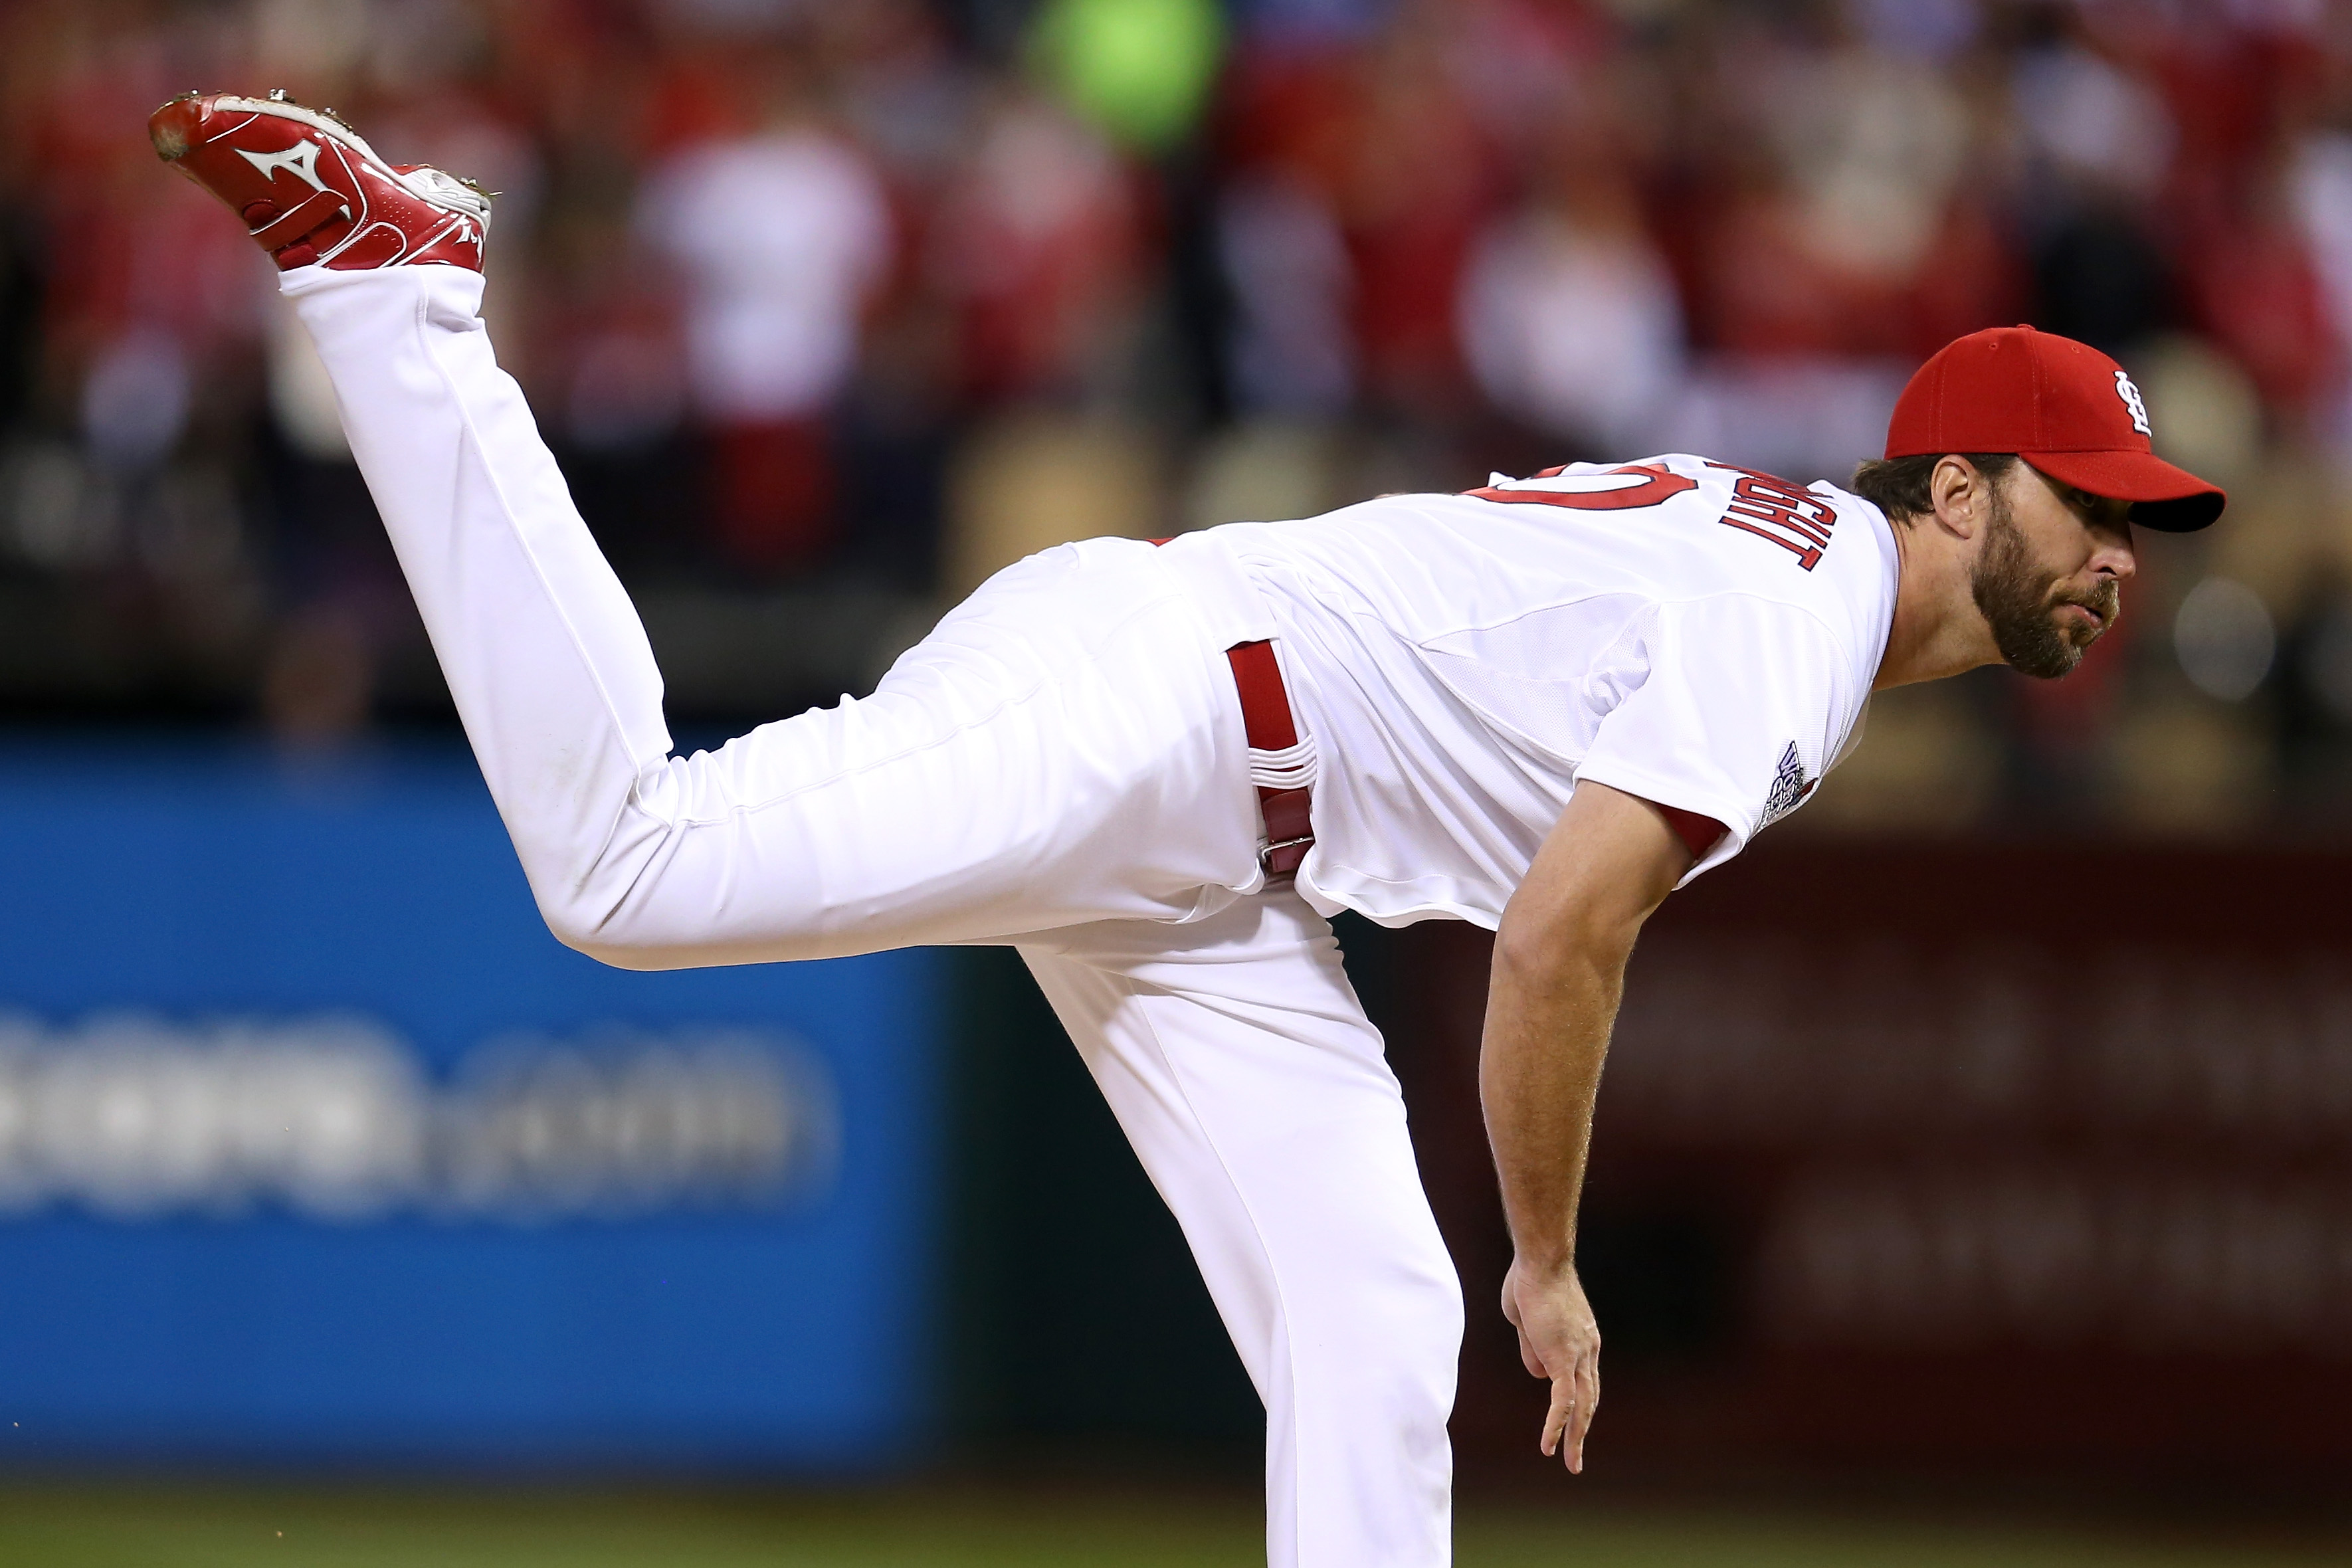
<point x="1898" y="486"/>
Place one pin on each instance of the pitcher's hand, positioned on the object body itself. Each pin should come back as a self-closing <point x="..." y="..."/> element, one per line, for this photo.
<point x="1557" y="1340"/>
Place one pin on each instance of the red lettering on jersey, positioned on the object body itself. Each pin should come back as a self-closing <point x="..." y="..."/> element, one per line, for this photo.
<point x="1789" y="509"/>
<point x="1658" y="485"/>
<point x="1808" y="555"/>
<point x="1767" y="504"/>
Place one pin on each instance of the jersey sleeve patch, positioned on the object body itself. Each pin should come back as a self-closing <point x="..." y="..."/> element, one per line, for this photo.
<point x="1790" y="787"/>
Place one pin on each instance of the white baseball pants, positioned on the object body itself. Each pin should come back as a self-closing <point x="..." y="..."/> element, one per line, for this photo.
<point x="1060" y="765"/>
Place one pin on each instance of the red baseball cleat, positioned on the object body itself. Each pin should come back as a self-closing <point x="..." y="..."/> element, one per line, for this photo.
<point x="312" y="191"/>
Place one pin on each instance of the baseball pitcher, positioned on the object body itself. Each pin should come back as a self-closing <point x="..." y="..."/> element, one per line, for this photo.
<point x="1158" y="770"/>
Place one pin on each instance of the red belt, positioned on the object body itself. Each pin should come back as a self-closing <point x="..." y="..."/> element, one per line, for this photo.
<point x="1267" y="719"/>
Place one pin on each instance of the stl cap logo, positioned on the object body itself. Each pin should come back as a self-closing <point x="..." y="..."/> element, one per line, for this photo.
<point x="2130" y="394"/>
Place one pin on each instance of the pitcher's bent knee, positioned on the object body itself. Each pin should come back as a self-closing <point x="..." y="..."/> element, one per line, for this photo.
<point x="651" y="931"/>
<point x="622" y="945"/>
<point x="611" y="942"/>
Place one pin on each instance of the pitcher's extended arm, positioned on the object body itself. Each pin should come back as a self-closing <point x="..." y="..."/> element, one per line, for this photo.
<point x="1559" y="967"/>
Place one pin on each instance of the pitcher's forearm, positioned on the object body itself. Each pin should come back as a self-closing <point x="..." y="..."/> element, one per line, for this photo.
<point x="1559" y="967"/>
<point x="1547" y="1024"/>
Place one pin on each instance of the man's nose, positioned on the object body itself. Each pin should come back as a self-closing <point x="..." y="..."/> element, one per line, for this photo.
<point x="2114" y="555"/>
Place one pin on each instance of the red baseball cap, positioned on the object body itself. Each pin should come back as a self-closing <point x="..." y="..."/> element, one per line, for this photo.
<point x="2063" y="407"/>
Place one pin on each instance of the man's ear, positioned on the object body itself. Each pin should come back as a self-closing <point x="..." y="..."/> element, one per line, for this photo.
<point x="1963" y="496"/>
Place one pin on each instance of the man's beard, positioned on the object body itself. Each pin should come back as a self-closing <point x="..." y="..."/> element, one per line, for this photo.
<point x="2018" y="599"/>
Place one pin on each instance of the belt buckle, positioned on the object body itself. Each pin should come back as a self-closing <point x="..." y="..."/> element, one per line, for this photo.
<point x="1266" y="857"/>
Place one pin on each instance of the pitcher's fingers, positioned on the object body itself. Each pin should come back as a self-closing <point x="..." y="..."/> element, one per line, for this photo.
<point x="1587" y="1403"/>
<point x="1561" y="1416"/>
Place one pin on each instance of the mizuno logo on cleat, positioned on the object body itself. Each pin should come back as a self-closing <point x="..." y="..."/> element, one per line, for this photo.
<point x="302" y="159"/>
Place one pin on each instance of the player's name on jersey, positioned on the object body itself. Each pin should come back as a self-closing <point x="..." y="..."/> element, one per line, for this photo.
<point x="337" y="1119"/>
<point x="1780" y="511"/>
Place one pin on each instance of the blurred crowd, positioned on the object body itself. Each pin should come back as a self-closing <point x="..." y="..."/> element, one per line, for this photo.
<point x="830" y="307"/>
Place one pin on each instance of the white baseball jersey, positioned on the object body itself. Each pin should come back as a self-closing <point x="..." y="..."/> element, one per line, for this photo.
<point x="1695" y="634"/>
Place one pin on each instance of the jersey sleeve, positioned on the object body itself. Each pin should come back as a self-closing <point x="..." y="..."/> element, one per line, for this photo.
<point x="1743" y="705"/>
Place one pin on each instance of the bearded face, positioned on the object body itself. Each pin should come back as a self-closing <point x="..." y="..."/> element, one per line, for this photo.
<point x="2021" y="599"/>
